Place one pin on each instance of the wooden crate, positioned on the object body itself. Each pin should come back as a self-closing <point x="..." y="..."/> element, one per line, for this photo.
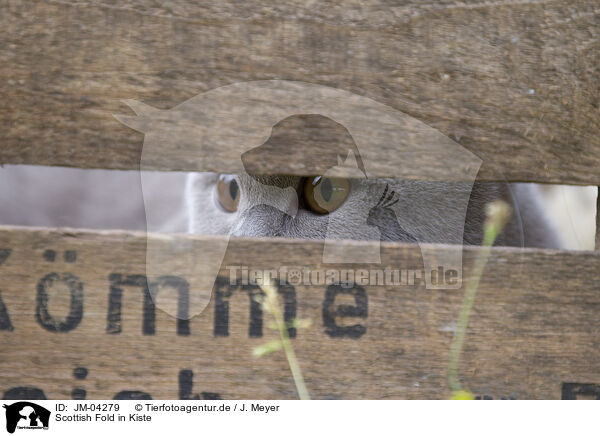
<point x="514" y="83"/>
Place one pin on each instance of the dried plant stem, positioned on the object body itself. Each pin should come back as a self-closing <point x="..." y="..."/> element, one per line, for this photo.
<point x="463" y="320"/>
<point x="273" y="308"/>
<point x="498" y="214"/>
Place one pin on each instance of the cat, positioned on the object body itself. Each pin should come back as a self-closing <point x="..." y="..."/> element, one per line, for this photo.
<point x="528" y="227"/>
<point x="101" y="199"/>
<point x="362" y="208"/>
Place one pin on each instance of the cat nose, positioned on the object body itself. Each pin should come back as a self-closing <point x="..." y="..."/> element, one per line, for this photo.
<point x="263" y="220"/>
<point x="284" y="200"/>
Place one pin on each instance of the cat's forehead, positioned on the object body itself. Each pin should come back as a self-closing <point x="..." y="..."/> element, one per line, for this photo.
<point x="249" y="181"/>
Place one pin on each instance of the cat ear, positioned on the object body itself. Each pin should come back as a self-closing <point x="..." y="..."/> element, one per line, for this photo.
<point x="145" y="115"/>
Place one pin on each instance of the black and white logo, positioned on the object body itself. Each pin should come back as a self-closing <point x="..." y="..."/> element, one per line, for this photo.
<point x="26" y="415"/>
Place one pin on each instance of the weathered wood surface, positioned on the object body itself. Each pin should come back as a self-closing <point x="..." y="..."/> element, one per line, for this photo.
<point x="535" y="327"/>
<point x="516" y="83"/>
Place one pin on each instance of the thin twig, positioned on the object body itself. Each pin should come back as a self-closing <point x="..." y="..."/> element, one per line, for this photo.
<point x="273" y="308"/>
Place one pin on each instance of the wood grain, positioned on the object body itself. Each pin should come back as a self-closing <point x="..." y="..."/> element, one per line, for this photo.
<point x="534" y="327"/>
<point x="515" y="83"/>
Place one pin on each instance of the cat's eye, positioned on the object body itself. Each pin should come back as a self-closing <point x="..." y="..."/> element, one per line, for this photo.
<point x="228" y="193"/>
<point x="325" y="194"/>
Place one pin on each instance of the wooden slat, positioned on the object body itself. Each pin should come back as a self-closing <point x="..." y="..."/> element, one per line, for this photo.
<point x="516" y="83"/>
<point x="534" y="331"/>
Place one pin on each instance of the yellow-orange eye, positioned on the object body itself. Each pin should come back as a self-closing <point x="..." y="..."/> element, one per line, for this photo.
<point x="228" y="193"/>
<point x="325" y="194"/>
